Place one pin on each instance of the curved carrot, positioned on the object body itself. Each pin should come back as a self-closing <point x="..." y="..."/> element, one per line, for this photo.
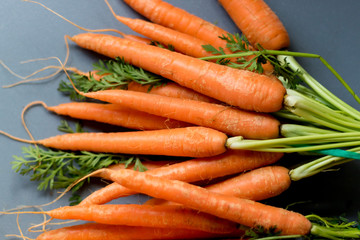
<point x="243" y="211"/>
<point x="115" y="115"/>
<point x="181" y="42"/>
<point x="96" y="231"/>
<point x="165" y="14"/>
<point x="228" y="163"/>
<point x="159" y="216"/>
<point x="183" y="142"/>
<point x="231" y="121"/>
<point x="258" y="23"/>
<point x="239" y="88"/>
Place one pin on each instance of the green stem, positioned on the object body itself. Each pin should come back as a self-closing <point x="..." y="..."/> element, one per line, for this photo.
<point x="294" y="130"/>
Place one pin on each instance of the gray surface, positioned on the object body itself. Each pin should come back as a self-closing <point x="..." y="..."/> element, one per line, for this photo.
<point x="27" y="31"/>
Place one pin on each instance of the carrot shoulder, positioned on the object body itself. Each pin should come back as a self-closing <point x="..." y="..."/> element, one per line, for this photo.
<point x="258" y="23"/>
<point x="241" y="88"/>
<point x="242" y="211"/>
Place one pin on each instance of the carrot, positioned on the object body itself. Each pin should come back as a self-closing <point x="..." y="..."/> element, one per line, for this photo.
<point x="182" y="142"/>
<point x="243" y="211"/>
<point x="165" y="14"/>
<point x="96" y="231"/>
<point x="241" y="88"/>
<point x="167" y="216"/>
<point x="115" y="115"/>
<point x="258" y="23"/>
<point x="228" y="163"/>
<point x="232" y="121"/>
<point x="258" y="184"/>
<point x="181" y="42"/>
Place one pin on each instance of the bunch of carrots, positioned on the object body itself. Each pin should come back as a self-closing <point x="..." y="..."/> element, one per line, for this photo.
<point x="180" y="92"/>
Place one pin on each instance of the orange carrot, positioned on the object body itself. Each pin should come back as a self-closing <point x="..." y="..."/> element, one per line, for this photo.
<point x="239" y="88"/>
<point x="183" y="142"/>
<point x="166" y="216"/>
<point x="96" y="231"/>
<point x="228" y="163"/>
<point x="116" y="115"/>
<point x="165" y="14"/>
<point x="258" y="184"/>
<point x="181" y="42"/>
<point x="243" y="211"/>
<point x="258" y="23"/>
<point x="231" y="121"/>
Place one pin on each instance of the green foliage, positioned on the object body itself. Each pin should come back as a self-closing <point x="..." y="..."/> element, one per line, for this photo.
<point x="116" y="74"/>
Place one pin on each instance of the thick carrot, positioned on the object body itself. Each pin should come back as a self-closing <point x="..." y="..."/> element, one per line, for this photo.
<point x="228" y="163"/>
<point x="243" y="211"/>
<point x="165" y="14"/>
<point x="241" y="88"/>
<point x="96" y="231"/>
<point x="115" y="115"/>
<point x="232" y="121"/>
<point x="181" y="42"/>
<point x="160" y="216"/>
<point x="258" y="184"/>
<point x="258" y="23"/>
<point x="183" y="142"/>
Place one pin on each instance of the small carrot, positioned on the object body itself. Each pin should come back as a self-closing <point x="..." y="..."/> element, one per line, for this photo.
<point x="258" y="23"/>
<point x="96" y="231"/>
<point x="258" y="184"/>
<point x="231" y="121"/>
<point x="115" y="115"/>
<point x="228" y="163"/>
<point x="241" y="88"/>
<point x="243" y="211"/>
<point x="183" y="142"/>
<point x="166" y="216"/>
<point x="165" y="14"/>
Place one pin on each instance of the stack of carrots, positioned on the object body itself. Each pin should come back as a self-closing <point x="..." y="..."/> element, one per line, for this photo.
<point x="191" y="116"/>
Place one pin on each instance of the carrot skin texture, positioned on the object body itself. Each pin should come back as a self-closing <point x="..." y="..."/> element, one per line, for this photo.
<point x="231" y="121"/>
<point x="241" y="88"/>
<point x="115" y="115"/>
<point x="183" y="142"/>
<point x="243" y="211"/>
<point x="258" y="184"/>
<point x="258" y="23"/>
<point x="228" y="163"/>
<point x="96" y="231"/>
<point x="181" y="42"/>
<point x="167" y="216"/>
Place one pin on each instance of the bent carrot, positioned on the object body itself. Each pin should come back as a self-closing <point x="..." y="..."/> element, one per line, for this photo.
<point x="96" y="231"/>
<point x="243" y="211"/>
<point x="241" y="88"/>
<point x="181" y="42"/>
<point x="115" y="115"/>
<point x="166" y="216"/>
<point x="258" y="23"/>
<point x="231" y="121"/>
<point x="165" y="14"/>
<point x="182" y="142"/>
<point x="228" y="163"/>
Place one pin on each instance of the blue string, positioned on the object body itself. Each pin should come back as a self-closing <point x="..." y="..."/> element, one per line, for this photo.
<point x="340" y="153"/>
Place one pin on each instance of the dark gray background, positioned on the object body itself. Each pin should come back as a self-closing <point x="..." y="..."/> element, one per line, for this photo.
<point x="27" y="31"/>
